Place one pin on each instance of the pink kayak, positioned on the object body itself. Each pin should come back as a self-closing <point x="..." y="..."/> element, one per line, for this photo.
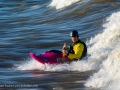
<point x="49" y="57"/>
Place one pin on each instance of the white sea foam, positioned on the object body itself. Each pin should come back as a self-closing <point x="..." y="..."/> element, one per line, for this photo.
<point x="30" y="64"/>
<point x="74" y="66"/>
<point x="106" y="47"/>
<point x="59" y="4"/>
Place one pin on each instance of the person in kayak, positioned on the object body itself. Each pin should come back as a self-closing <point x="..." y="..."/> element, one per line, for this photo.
<point x="77" y="50"/>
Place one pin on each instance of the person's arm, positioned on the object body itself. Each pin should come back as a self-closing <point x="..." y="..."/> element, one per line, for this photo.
<point x="78" y="49"/>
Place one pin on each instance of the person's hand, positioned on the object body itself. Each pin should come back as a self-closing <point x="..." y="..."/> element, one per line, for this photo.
<point x="64" y="53"/>
<point x="65" y="48"/>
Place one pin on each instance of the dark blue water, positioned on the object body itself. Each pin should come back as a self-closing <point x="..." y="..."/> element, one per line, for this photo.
<point x="40" y="25"/>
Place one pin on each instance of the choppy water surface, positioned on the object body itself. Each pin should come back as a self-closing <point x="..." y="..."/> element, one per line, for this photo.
<point x="40" y="25"/>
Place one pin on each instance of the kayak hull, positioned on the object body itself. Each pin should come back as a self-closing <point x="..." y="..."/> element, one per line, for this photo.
<point x="49" y="57"/>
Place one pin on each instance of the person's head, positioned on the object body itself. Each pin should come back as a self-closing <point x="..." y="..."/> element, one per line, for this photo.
<point x="74" y="36"/>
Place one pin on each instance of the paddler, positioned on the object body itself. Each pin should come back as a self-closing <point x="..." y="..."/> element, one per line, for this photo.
<point x="77" y="50"/>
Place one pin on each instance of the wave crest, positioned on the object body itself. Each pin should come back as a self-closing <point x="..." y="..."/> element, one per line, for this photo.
<point x="59" y="4"/>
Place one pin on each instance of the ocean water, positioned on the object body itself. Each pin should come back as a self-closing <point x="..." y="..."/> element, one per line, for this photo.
<point x="39" y="25"/>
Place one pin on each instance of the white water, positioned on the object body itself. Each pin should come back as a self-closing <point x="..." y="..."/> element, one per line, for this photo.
<point x="74" y="66"/>
<point x="104" y="56"/>
<point x="106" y="48"/>
<point x="59" y="4"/>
